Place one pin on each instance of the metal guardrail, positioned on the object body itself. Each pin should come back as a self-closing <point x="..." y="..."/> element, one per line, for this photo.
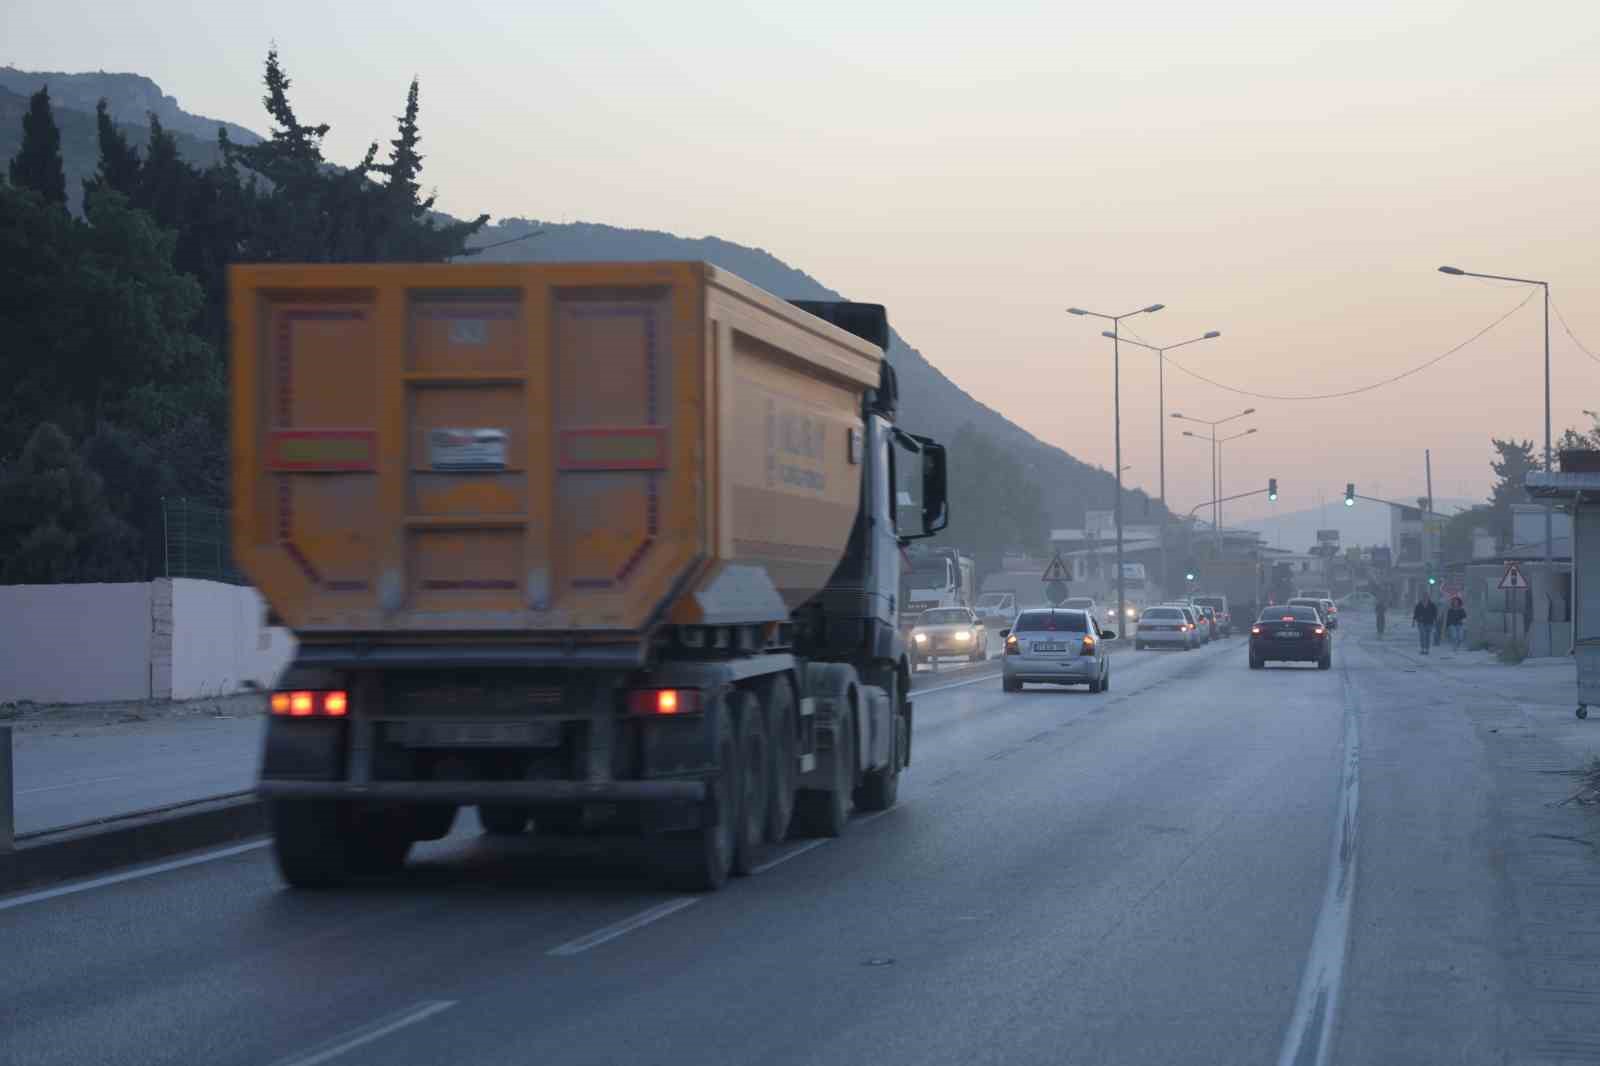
<point x="8" y="833"/>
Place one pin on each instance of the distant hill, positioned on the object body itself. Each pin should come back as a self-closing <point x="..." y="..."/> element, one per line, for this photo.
<point x="80" y="142"/>
<point x="930" y="402"/>
<point x="132" y="98"/>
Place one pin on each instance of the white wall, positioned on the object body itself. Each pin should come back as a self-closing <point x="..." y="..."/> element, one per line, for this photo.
<point x="74" y="643"/>
<point x="220" y="643"/>
<point x="181" y="639"/>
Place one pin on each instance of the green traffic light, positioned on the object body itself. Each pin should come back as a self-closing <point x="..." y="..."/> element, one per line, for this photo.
<point x="1188" y="577"/>
<point x="1348" y="502"/>
<point x="1432" y="580"/>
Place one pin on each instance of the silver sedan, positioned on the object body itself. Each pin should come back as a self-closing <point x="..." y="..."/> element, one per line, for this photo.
<point x="1056" y="646"/>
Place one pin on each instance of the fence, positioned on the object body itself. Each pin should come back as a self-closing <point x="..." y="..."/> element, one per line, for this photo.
<point x="196" y="542"/>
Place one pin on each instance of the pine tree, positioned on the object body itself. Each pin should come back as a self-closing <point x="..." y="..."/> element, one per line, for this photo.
<point x="1516" y="459"/>
<point x="120" y="166"/>
<point x="37" y="165"/>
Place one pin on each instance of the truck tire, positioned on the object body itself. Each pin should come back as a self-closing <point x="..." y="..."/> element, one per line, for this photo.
<point x="755" y="783"/>
<point x="778" y="700"/>
<point x="819" y="813"/>
<point x="699" y="860"/>
<point x="880" y="789"/>
<point x="503" y="819"/>
<point x="321" y="843"/>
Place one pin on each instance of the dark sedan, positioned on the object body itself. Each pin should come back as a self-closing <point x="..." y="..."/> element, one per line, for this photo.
<point x="1294" y="633"/>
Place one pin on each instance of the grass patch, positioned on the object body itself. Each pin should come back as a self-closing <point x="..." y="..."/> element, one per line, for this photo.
<point x="1513" y="651"/>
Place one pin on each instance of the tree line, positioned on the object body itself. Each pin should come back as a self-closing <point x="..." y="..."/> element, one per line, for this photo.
<point x="113" y="326"/>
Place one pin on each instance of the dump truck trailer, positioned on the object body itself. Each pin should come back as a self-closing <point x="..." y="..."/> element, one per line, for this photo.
<point x="595" y="548"/>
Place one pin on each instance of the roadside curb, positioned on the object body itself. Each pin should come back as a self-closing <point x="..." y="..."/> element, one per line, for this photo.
<point x="107" y="844"/>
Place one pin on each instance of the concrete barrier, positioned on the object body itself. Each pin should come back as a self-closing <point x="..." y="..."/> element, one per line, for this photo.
<point x="97" y="847"/>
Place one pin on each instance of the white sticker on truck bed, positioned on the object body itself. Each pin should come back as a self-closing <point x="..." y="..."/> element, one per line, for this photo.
<point x="467" y="449"/>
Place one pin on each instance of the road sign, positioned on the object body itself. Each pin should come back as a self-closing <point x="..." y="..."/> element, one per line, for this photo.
<point x="1512" y="578"/>
<point x="1056" y="592"/>
<point x="1056" y="571"/>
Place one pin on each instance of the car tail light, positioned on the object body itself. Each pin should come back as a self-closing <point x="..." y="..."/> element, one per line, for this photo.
<point x="1255" y="631"/>
<point x="1287" y="618"/>
<point x="308" y="704"/>
<point x="1318" y="630"/>
<point x="665" y="701"/>
<point x="1012" y="647"/>
<point x="1088" y="646"/>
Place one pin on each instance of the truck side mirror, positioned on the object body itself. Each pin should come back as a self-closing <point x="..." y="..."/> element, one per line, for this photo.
<point x="921" y="507"/>
<point x="935" y="505"/>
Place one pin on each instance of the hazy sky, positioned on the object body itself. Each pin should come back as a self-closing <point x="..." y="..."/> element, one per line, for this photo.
<point x="1291" y="174"/>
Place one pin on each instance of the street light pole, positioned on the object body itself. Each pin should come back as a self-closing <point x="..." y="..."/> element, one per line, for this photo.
<point x="1116" y="402"/>
<point x="1549" y="454"/>
<point x="1216" y="487"/>
<point x="1161" y="424"/>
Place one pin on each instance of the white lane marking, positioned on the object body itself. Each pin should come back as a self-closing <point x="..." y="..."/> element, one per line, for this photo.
<point x="1310" y="1035"/>
<point x="69" y="784"/>
<point x="368" y="1033"/>
<point x="130" y="875"/>
<point x="624" y="927"/>
<point x="786" y="856"/>
<point x="954" y="684"/>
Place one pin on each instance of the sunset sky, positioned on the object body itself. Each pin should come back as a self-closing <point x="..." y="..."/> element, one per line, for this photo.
<point x="1290" y="178"/>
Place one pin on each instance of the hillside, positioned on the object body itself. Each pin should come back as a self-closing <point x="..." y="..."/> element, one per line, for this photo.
<point x="80" y="146"/>
<point x="930" y="402"/>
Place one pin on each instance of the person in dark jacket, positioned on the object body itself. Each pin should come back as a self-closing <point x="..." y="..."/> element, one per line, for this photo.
<point x="1455" y="621"/>
<point x="1381" y="610"/>
<point x="1425" y="616"/>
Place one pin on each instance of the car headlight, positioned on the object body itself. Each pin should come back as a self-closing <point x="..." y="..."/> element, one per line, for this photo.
<point x="920" y="638"/>
<point x="1130" y="612"/>
<point x="965" y="634"/>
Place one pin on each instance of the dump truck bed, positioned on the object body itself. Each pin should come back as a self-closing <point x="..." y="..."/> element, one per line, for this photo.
<point x="536" y="451"/>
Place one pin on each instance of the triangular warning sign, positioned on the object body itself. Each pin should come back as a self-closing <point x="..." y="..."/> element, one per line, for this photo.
<point x="1057" y="570"/>
<point x="1512" y="578"/>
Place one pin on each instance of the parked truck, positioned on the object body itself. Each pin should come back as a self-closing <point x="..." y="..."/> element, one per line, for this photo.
<point x="596" y="547"/>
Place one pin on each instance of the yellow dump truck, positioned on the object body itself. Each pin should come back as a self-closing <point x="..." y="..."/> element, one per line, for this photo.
<point x="591" y="547"/>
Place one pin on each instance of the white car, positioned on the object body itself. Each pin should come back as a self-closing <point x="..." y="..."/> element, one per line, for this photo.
<point x="1166" y="625"/>
<point x="1056" y="646"/>
<point x="948" y="632"/>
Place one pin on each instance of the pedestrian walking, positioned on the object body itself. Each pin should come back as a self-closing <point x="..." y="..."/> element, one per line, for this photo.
<point x="1381" y="610"/>
<point x="1425" y="615"/>
<point x="1455" y="620"/>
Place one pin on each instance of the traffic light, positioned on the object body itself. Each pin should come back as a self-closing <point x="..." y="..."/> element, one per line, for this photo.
<point x="1189" y="575"/>
<point x="1191" y="572"/>
<point x="1272" y="488"/>
<point x="1350" y="494"/>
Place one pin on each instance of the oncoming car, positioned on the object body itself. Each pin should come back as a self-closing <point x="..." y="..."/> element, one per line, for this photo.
<point x="1056" y="646"/>
<point x="1292" y="633"/>
<point x="948" y="632"/>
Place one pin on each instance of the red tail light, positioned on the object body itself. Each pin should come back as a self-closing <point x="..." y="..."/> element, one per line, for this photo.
<point x="1255" y="631"/>
<point x="308" y="704"/>
<point x="1318" y="630"/>
<point x="665" y="701"/>
<point x="1012" y="648"/>
<point x="1088" y="646"/>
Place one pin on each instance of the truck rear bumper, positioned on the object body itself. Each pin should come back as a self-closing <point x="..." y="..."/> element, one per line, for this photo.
<point x="531" y="792"/>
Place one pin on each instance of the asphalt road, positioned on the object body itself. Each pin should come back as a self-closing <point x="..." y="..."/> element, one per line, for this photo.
<point x="1207" y="864"/>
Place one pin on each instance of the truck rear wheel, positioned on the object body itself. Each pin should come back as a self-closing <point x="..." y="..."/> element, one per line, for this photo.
<point x="699" y="860"/>
<point x="819" y="813"/>
<point x="754" y="783"/>
<point x="503" y="819"/>
<point x="321" y="843"/>
<point x="779" y="702"/>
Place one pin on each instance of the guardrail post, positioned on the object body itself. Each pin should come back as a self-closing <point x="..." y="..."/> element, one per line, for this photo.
<point x="8" y="837"/>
